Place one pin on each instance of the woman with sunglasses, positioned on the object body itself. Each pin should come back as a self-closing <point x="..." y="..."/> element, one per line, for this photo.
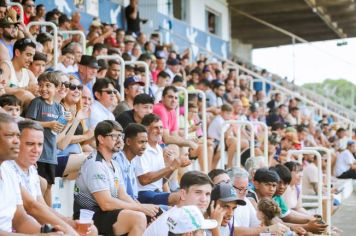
<point x="71" y="148"/>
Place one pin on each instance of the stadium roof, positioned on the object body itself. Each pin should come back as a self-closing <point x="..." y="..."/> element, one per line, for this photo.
<point x="312" y="20"/>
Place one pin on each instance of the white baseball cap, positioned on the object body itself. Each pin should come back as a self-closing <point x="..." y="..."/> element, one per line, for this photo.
<point x="188" y="219"/>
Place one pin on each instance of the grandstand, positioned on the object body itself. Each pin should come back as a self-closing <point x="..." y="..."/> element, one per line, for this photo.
<point x="135" y="102"/>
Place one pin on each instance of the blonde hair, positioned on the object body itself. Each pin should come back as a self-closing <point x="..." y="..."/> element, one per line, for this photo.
<point x="270" y="210"/>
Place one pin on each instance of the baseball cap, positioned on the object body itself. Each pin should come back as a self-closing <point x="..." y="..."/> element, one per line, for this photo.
<point x="133" y="80"/>
<point x="173" y="62"/>
<point x="7" y="21"/>
<point x="225" y="192"/>
<point x="188" y="219"/>
<point x="89" y="61"/>
<point x="351" y="142"/>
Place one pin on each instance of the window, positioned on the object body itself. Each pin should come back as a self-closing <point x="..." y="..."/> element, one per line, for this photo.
<point x="213" y="20"/>
<point x="180" y="9"/>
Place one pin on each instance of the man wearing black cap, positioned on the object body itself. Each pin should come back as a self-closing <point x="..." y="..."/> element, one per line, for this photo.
<point x="8" y="32"/>
<point x="224" y="200"/>
<point x="87" y="71"/>
<point x="173" y="67"/>
<point x="133" y="86"/>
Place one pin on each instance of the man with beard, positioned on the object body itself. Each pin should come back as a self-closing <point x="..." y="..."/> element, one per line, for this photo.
<point x="8" y="33"/>
<point x="19" y="78"/>
<point x="100" y="188"/>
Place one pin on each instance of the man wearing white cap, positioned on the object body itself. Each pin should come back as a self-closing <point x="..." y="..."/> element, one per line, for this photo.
<point x="188" y="220"/>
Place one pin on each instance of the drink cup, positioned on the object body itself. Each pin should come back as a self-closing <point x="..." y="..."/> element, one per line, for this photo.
<point x="85" y="221"/>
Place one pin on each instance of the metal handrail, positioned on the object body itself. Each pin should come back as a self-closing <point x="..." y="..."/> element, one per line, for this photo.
<point x="285" y="90"/>
<point x="265" y="138"/>
<point x="204" y="125"/>
<point x="122" y="71"/>
<point x="147" y="72"/>
<point x="185" y="123"/>
<point x="55" y="36"/>
<point x="328" y="182"/>
<point x="238" y="147"/>
<point x="20" y="7"/>
<point x="82" y="36"/>
<point x="320" y="177"/>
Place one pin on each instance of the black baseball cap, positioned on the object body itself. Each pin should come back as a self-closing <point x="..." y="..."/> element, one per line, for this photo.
<point x="225" y="192"/>
<point x="89" y="61"/>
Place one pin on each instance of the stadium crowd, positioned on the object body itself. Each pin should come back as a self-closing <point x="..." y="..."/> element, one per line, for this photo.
<point x="127" y="152"/>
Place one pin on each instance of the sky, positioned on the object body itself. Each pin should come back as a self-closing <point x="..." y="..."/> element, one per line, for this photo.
<point x="309" y="63"/>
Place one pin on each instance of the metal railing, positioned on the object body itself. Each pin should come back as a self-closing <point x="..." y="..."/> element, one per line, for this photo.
<point x="320" y="177"/>
<point x="328" y="182"/>
<point x="224" y="128"/>
<point x="122" y="70"/>
<point x="20" y="7"/>
<point x="275" y="85"/>
<point x="185" y="123"/>
<point x="204" y="126"/>
<point x="55" y="37"/>
<point x="265" y="138"/>
<point x="79" y="32"/>
<point x="147" y="72"/>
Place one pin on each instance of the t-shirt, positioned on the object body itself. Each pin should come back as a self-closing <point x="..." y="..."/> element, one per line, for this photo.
<point x="96" y="175"/>
<point x="151" y="160"/>
<point x="310" y="176"/>
<point x="126" y="118"/>
<point x="246" y="216"/>
<point x="344" y="162"/>
<point x="293" y="197"/>
<point x="9" y="184"/>
<point x="29" y="181"/>
<point x="168" y="118"/>
<point x="41" y="111"/>
<point x="215" y="128"/>
<point x="128" y="173"/>
<point x="159" y="226"/>
<point x="133" y="25"/>
<point x="99" y="113"/>
<point x="284" y="208"/>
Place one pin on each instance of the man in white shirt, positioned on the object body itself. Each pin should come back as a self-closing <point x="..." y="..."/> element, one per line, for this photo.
<point x="195" y="189"/>
<point x="105" y="96"/>
<point x="345" y="167"/>
<point x="151" y="172"/>
<point x="12" y="212"/>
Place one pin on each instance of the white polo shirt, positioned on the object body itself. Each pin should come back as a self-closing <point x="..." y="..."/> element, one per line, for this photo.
<point x="151" y="160"/>
<point x="9" y="184"/>
<point x="99" y="113"/>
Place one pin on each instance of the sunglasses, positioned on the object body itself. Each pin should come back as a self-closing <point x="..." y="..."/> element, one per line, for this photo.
<point x="73" y="87"/>
<point x="26" y="42"/>
<point x="66" y="84"/>
<point x="109" y="91"/>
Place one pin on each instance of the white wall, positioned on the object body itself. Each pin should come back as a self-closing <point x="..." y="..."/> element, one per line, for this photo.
<point x="197" y="16"/>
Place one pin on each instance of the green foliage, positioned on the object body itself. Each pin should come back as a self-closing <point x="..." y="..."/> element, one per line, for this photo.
<point x="339" y="90"/>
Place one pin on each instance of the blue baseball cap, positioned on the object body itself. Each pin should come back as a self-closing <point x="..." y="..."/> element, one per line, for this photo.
<point x="133" y="80"/>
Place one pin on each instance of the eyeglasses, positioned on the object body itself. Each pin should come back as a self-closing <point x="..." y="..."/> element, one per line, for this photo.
<point x="109" y="91"/>
<point x="73" y="87"/>
<point x="116" y="137"/>
<point x="66" y="84"/>
<point x="240" y="190"/>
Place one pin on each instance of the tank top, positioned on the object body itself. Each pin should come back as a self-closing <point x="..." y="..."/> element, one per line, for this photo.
<point x="14" y="82"/>
<point x="10" y="48"/>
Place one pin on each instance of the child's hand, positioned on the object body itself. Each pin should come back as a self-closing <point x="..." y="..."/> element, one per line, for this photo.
<point x="56" y="126"/>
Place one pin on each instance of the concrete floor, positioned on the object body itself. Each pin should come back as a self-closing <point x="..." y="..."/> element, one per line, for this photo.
<point x="345" y="216"/>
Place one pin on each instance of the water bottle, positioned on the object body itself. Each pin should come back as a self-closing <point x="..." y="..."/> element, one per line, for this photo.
<point x="62" y="120"/>
<point x="56" y="205"/>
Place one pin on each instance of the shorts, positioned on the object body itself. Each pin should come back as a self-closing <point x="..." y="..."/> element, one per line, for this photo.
<point x="47" y="171"/>
<point x="157" y="198"/>
<point x="104" y="220"/>
<point x="62" y="164"/>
